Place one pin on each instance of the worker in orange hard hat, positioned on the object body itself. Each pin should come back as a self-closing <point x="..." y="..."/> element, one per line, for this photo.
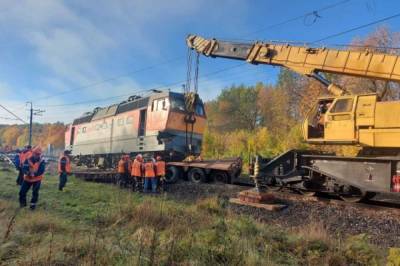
<point x="160" y="172"/>
<point x="124" y="170"/>
<point x="33" y="169"/>
<point x="64" y="169"/>
<point x="137" y="172"/>
<point x="150" y="176"/>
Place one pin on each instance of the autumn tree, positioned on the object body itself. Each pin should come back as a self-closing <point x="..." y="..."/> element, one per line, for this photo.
<point x="235" y="108"/>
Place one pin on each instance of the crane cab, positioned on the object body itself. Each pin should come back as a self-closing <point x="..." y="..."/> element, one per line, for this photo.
<point x="332" y="120"/>
<point x="354" y="119"/>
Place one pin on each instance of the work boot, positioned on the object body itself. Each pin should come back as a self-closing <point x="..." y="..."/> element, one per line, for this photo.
<point x="22" y="204"/>
<point x="32" y="207"/>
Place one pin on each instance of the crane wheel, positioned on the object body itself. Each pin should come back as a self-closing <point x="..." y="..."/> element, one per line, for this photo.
<point x="172" y="175"/>
<point x="197" y="175"/>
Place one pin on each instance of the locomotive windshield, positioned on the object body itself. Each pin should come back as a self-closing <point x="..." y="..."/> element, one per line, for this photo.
<point x="178" y="104"/>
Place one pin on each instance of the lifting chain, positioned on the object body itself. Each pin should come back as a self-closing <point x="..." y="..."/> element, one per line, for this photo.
<point x="190" y="94"/>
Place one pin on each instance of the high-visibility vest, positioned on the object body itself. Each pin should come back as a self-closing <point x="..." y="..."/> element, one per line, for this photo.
<point x="23" y="156"/>
<point x="33" y="168"/>
<point x="137" y="168"/>
<point x="67" y="165"/>
<point x="149" y="170"/>
<point x="160" y="168"/>
<point x="121" y="166"/>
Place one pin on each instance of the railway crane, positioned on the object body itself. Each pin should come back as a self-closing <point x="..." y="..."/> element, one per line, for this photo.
<point x="341" y="118"/>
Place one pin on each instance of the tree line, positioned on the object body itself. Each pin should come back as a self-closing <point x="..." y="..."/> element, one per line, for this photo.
<point x="16" y="136"/>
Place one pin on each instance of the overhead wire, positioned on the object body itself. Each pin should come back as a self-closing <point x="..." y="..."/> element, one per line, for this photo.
<point x="202" y="82"/>
<point x="7" y="118"/>
<point x="298" y="17"/>
<point x="155" y="88"/>
<point x="357" y="28"/>
<point x="127" y="74"/>
<point x="13" y="114"/>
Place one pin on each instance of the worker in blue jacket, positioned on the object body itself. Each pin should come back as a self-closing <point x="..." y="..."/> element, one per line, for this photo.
<point x="17" y="163"/>
<point x="33" y="169"/>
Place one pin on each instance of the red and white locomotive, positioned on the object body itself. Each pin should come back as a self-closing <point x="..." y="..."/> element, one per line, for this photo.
<point x="150" y="124"/>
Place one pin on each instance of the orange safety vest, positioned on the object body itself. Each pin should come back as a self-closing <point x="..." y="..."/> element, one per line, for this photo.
<point x="136" y="168"/>
<point x="149" y="170"/>
<point x="160" y="167"/>
<point x="121" y="166"/>
<point x="33" y="168"/>
<point x="67" y="165"/>
<point x="23" y="156"/>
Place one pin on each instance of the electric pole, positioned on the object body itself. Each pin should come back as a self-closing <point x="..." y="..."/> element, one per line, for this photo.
<point x="32" y="112"/>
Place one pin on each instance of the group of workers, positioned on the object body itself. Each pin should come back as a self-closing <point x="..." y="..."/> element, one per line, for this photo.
<point x="142" y="173"/>
<point x="31" y="167"/>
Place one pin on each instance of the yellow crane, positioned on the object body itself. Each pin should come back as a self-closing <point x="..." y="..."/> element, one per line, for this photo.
<point x="342" y="118"/>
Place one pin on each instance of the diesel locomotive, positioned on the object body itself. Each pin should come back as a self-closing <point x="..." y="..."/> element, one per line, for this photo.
<point x="153" y="124"/>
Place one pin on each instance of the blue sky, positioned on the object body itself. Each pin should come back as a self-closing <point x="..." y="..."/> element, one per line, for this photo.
<point x="50" y="47"/>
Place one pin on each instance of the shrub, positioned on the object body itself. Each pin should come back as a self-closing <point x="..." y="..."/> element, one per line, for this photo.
<point x="394" y="257"/>
<point x="358" y="251"/>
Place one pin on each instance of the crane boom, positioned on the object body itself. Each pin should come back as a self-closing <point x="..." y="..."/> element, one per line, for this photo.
<point x="355" y="119"/>
<point x="304" y="60"/>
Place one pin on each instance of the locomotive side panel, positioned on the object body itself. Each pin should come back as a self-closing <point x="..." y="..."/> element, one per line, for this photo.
<point x="125" y="132"/>
<point x="93" y="137"/>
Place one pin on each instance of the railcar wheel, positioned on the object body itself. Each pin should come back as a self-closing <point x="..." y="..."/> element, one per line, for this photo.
<point x="353" y="195"/>
<point x="172" y="175"/>
<point x="197" y="175"/>
<point x="220" y="177"/>
<point x="274" y="184"/>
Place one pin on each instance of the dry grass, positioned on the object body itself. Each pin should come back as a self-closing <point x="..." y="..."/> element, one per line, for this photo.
<point x="314" y="231"/>
<point x="122" y="228"/>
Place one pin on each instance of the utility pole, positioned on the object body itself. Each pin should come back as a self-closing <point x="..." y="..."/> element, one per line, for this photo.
<point x="32" y="112"/>
<point x="30" y="124"/>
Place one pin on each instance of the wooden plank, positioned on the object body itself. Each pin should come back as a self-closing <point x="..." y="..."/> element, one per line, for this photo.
<point x="269" y="207"/>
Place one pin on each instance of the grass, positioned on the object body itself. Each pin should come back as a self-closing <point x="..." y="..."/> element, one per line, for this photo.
<point x="98" y="224"/>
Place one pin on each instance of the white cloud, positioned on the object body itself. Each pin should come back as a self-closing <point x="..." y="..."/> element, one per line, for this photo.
<point x="75" y="41"/>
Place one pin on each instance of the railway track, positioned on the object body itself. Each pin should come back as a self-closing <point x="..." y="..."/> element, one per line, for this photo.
<point x="377" y="203"/>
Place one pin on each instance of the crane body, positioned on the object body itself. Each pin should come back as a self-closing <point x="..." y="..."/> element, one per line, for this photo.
<point x="340" y="118"/>
<point x="343" y="118"/>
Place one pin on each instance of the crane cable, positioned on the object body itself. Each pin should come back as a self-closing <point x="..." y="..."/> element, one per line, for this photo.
<point x="190" y="98"/>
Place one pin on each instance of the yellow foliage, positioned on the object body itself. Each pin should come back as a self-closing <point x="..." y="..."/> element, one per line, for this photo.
<point x="43" y="134"/>
<point x="394" y="257"/>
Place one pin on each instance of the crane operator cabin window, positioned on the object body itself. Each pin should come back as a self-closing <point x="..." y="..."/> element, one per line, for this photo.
<point x="342" y="106"/>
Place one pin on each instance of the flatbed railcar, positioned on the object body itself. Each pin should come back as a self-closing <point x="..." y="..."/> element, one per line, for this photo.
<point x="197" y="171"/>
<point x="154" y="124"/>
